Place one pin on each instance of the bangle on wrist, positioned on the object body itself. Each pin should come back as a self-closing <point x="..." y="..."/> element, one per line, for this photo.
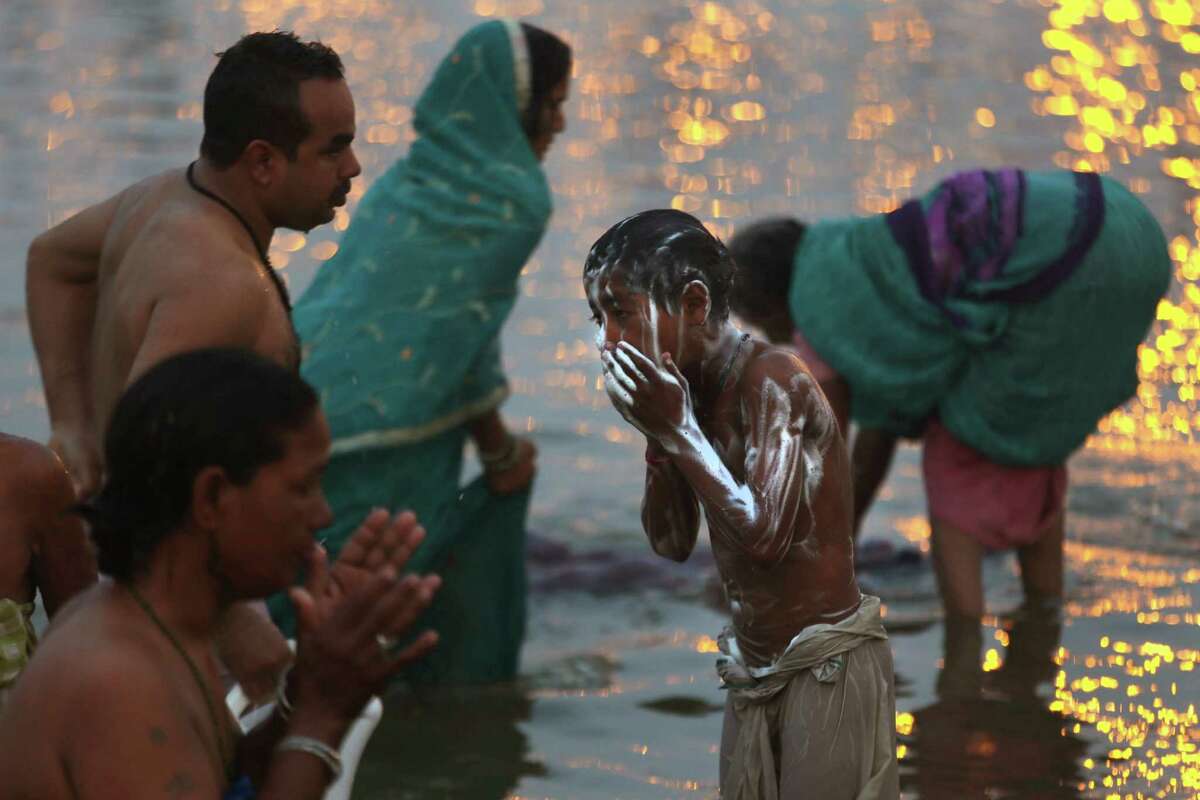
<point x="500" y="453"/>
<point x="282" y="704"/>
<point x="503" y="459"/>
<point x="314" y="747"/>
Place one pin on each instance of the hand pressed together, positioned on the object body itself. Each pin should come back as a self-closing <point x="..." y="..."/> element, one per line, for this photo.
<point x="381" y="541"/>
<point x="655" y="400"/>
<point x="254" y="650"/>
<point x="348" y="612"/>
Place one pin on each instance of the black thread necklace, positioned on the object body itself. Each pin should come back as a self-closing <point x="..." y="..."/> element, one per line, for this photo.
<point x="258" y="248"/>
<point x="729" y="364"/>
<point x="224" y="750"/>
<point x="706" y="415"/>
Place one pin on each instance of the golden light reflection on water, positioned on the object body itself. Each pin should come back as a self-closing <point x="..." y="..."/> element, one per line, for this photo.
<point x="1136" y="690"/>
<point x="1130" y="693"/>
<point x="709" y="60"/>
<point x="1139" y="693"/>
<point x="732" y="110"/>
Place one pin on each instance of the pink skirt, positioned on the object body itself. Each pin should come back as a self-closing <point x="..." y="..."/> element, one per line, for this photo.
<point x="1001" y="507"/>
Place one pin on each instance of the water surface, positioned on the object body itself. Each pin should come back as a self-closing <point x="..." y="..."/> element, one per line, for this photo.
<point x="728" y="111"/>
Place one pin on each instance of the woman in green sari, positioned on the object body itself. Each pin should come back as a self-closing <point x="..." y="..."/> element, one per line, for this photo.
<point x="997" y="318"/>
<point x="400" y="333"/>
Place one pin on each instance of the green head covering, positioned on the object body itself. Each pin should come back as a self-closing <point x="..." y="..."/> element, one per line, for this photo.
<point x="400" y="327"/>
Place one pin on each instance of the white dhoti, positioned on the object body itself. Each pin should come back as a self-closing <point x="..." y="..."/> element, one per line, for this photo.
<point x="819" y="722"/>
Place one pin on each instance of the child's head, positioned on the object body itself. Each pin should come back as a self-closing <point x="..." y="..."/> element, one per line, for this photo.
<point x="765" y="252"/>
<point x="655" y="273"/>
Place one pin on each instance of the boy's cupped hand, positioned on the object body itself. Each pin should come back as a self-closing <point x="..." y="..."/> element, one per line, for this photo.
<point x="653" y="399"/>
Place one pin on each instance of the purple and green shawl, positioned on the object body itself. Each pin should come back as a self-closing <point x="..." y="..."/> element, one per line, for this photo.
<point x="1008" y="303"/>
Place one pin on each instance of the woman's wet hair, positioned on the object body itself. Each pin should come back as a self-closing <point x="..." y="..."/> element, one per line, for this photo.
<point x="549" y="65"/>
<point x="254" y="93"/>
<point x="217" y="407"/>
<point x="660" y="252"/>
<point x="765" y="252"/>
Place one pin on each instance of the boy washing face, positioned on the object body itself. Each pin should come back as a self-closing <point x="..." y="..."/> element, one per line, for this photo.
<point x="738" y="429"/>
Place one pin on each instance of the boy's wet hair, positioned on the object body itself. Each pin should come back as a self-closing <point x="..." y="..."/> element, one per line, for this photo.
<point x="660" y="252"/>
<point x="765" y="252"/>
<point x="549" y="65"/>
<point x="254" y="93"/>
<point x="216" y="407"/>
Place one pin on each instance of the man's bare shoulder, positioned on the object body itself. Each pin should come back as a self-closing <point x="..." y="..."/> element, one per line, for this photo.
<point x="153" y="184"/>
<point x="187" y="235"/>
<point x="165" y="240"/>
<point x="187" y="267"/>
<point x="141" y="200"/>
<point x="165" y="226"/>
<point x="146" y="189"/>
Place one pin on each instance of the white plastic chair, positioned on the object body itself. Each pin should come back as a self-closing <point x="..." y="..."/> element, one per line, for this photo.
<point x="352" y="747"/>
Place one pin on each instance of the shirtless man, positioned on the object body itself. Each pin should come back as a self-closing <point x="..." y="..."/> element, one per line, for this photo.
<point x="179" y="261"/>
<point x="43" y="547"/>
<point x="212" y="495"/>
<point x="737" y="429"/>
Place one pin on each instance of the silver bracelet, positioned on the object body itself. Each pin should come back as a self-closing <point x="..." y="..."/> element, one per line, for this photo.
<point x="314" y="747"/>
<point x="505" y="453"/>
<point x="282" y="704"/>
<point x="505" y="459"/>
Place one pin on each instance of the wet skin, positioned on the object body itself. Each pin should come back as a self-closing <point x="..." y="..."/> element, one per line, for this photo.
<point x="105" y="306"/>
<point x="761" y="456"/>
<point x="109" y="707"/>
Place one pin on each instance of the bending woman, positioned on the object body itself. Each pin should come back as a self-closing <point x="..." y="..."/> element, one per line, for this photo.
<point x="997" y="318"/>
<point x="400" y="334"/>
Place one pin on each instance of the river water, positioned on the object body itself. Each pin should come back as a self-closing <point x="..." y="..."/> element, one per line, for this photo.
<point x="812" y="107"/>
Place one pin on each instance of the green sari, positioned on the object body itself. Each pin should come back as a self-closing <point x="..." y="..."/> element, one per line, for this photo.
<point x="400" y="334"/>
<point x="1008" y="304"/>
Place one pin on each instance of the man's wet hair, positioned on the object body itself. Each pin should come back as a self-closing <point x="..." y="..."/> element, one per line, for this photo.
<point x="549" y="65"/>
<point x="660" y="252"/>
<point x="765" y="252"/>
<point x="216" y="407"/>
<point x="254" y="93"/>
